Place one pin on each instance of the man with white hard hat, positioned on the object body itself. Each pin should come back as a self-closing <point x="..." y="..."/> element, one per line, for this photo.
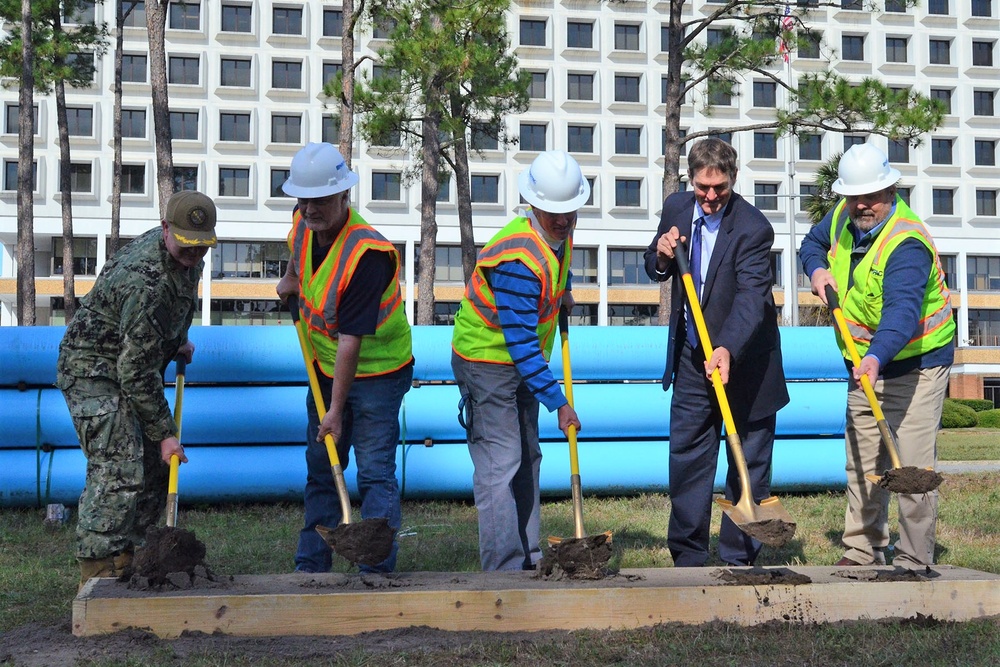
<point x="346" y="276"/>
<point x="503" y="337"/>
<point x="880" y="259"/>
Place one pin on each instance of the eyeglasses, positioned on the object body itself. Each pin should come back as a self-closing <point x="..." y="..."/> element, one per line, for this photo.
<point x="317" y="201"/>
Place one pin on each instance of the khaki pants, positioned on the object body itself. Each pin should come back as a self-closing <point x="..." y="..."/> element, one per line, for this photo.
<point x="912" y="405"/>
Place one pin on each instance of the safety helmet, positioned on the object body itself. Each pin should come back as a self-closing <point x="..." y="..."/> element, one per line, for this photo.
<point x="554" y="183"/>
<point x="863" y="170"/>
<point x="318" y="170"/>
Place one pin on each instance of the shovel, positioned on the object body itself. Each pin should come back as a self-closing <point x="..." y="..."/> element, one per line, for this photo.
<point x="175" y="460"/>
<point x="579" y="554"/>
<point x="767" y="522"/>
<point x="898" y="479"/>
<point x="370" y="541"/>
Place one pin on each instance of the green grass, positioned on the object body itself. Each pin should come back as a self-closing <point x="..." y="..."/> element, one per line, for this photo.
<point x="969" y="444"/>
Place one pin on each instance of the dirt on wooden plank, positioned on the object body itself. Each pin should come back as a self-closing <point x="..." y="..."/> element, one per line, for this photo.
<point x="172" y="558"/>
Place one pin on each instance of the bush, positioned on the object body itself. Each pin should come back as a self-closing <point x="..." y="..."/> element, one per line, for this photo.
<point x="989" y="418"/>
<point x="977" y="404"/>
<point x="956" y="415"/>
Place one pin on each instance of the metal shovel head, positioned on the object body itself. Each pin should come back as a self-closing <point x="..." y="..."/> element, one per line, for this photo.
<point x="769" y="522"/>
<point x="367" y="542"/>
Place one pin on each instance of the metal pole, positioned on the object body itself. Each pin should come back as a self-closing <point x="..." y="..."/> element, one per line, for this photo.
<point x="792" y="288"/>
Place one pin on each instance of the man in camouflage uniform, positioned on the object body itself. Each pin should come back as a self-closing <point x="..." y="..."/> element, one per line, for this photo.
<point x="130" y="326"/>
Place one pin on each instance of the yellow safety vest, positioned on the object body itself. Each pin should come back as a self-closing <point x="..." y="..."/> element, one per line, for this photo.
<point x="321" y="289"/>
<point x="862" y="302"/>
<point x="478" y="335"/>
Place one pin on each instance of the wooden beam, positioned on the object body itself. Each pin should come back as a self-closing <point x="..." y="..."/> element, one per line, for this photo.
<point x="337" y="604"/>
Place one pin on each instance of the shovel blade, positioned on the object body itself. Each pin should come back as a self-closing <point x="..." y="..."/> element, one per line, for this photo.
<point x="769" y="522"/>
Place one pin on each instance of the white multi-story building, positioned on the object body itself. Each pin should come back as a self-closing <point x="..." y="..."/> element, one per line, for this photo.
<point x="246" y="80"/>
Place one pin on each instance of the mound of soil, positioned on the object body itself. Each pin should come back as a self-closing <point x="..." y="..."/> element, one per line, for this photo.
<point x="172" y="558"/>
<point x="759" y="576"/>
<point x="895" y="574"/>
<point x="772" y="532"/>
<point x="910" y="479"/>
<point x="578" y="557"/>
<point x="368" y="542"/>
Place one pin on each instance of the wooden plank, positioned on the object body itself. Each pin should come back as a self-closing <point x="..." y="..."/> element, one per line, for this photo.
<point x="506" y="602"/>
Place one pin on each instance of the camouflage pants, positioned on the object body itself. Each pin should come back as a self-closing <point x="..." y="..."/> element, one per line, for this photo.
<point x="126" y="483"/>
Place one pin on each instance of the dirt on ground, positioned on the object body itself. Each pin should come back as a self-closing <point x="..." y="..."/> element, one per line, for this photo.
<point x="172" y="558"/>
<point x="367" y="542"/>
<point x="577" y="558"/>
<point x="910" y="479"/>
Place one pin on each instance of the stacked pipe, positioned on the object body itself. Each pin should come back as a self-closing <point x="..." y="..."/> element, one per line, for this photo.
<point x="245" y="417"/>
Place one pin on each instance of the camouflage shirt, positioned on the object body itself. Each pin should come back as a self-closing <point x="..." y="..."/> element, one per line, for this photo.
<point x="128" y="329"/>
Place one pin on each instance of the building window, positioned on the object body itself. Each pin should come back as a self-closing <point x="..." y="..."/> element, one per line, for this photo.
<point x="133" y="179"/>
<point x="626" y="267"/>
<point x="278" y="178"/>
<point x="941" y="151"/>
<point x="331" y="129"/>
<point x="628" y="140"/>
<point x="286" y="129"/>
<point x="852" y="47"/>
<point x="532" y="137"/>
<point x="532" y="32"/>
<point x="81" y="177"/>
<point x="895" y="49"/>
<point x="82" y="64"/>
<point x="536" y="89"/>
<point x="983" y="102"/>
<point x="940" y="52"/>
<point x="986" y="203"/>
<point x="234" y="126"/>
<point x="10" y="175"/>
<point x="628" y="192"/>
<point x="809" y="44"/>
<point x="806" y="192"/>
<point x="942" y="95"/>
<point x="234" y="182"/>
<point x="383" y="27"/>
<point x="84" y="256"/>
<point x="949" y="264"/>
<point x="810" y="147"/>
<point x="626" y="37"/>
<point x="984" y="329"/>
<point x="249" y="259"/>
<point x="765" y="94"/>
<point x="184" y="16"/>
<point x="627" y="88"/>
<point x="636" y="315"/>
<point x="580" y="86"/>
<point x="331" y="71"/>
<point x="579" y="35"/>
<point x="856" y="5"/>
<point x="943" y="201"/>
<point x="982" y="7"/>
<point x="286" y="74"/>
<point x="580" y="139"/>
<point x="720" y="94"/>
<point x="938" y="7"/>
<point x="986" y="153"/>
<point x="185" y="178"/>
<point x="447" y="264"/>
<point x="80" y="121"/>
<point x="775" y="261"/>
<point x="982" y="53"/>
<point x="895" y="6"/>
<point x="133" y="68"/>
<point x="286" y="20"/>
<point x="184" y="125"/>
<point x="83" y="15"/>
<point x="852" y="140"/>
<point x="904" y="194"/>
<point x="236" y="18"/>
<point x="766" y="196"/>
<point x="183" y="70"/>
<point x="584" y="265"/>
<point x="664" y="37"/>
<point x="765" y="145"/>
<point x="592" y="182"/>
<point x="899" y="151"/>
<point x="137" y="17"/>
<point x="982" y="273"/>
<point x="485" y="189"/>
<point x="333" y="23"/>
<point x="484" y="137"/>
<point x="235" y="72"/>
<point x="133" y="123"/>
<point x="386" y="186"/>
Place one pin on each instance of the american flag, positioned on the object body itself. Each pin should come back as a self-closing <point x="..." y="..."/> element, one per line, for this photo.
<point x="787" y="25"/>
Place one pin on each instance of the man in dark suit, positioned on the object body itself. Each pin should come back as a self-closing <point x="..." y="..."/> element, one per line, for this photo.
<point x="730" y="264"/>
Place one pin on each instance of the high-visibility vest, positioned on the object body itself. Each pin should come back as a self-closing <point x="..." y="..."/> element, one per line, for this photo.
<point x="861" y="303"/>
<point x="478" y="335"/>
<point x="321" y="289"/>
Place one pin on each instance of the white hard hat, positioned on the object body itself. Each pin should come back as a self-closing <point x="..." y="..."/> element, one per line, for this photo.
<point x="863" y="170"/>
<point x="319" y="170"/>
<point x="554" y="183"/>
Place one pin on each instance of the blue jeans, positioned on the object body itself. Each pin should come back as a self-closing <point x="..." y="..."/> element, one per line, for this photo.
<point x="371" y="427"/>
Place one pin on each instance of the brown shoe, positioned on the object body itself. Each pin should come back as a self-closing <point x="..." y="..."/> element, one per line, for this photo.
<point x="96" y="567"/>
<point x="847" y="562"/>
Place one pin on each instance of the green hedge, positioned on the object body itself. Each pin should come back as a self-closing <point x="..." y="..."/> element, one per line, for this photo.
<point x="956" y="415"/>
<point x="977" y="404"/>
<point x="989" y="418"/>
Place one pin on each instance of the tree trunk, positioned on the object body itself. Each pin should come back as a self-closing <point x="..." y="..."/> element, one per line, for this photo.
<point x="25" y="176"/>
<point x="121" y="14"/>
<point x="66" y="192"/>
<point x="347" y="80"/>
<point x="463" y="194"/>
<point x="156" y="23"/>
<point x="430" y="161"/>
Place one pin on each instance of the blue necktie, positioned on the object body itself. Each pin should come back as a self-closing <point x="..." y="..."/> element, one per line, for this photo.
<point x="692" y="332"/>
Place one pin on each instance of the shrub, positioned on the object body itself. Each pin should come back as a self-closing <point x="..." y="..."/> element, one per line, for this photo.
<point x="989" y="418"/>
<point x="956" y="415"/>
<point x="977" y="404"/>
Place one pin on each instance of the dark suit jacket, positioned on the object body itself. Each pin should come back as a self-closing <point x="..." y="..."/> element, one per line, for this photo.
<point x="737" y="303"/>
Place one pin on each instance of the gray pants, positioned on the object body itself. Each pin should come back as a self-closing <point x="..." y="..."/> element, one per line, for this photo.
<point x="502" y="431"/>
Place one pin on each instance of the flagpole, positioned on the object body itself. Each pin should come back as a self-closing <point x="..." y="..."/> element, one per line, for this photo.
<point x="792" y="288"/>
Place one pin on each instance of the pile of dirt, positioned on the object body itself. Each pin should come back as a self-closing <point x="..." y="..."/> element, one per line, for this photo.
<point x="761" y="576"/>
<point x="910" y="479"/>
<point x="172" y="558"/>
<point x="368" y="542"/>
<point x="772" y="532"/>
<point x="577" y="558"/>
<point x="895" y="574"/>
